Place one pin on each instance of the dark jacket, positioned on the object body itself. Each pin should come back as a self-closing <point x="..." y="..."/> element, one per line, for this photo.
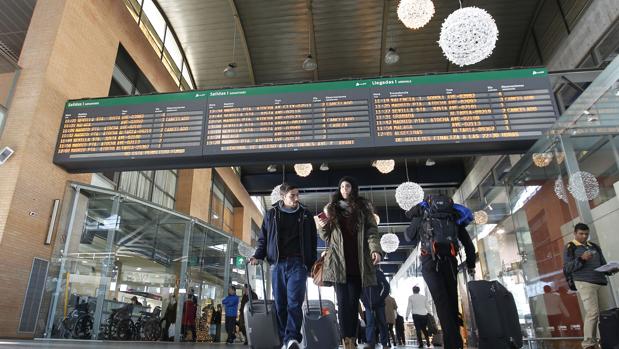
<point x="216" y="319"/>
<point x="368" y="241"/>
<point x="580" y="269"/>
<point x="413" y="234"/>
<point x="267" y="247"/>
<point x="374" y="296"/>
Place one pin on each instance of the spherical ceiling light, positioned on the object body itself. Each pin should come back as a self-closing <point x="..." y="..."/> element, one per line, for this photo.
<point x="583" y="186"/>
<point x="389" y="242"/>
<point x="391" y="57"/>
<point x="377" y="218"/>
<point x="481" y="217"/>
<point x="384" y="166"/>
<point x="414" y="14"/>
<point x="246" y="251"/>
<point x="276" y="194"/>
<point x="559" y="156"/>
<point x="408" y="194"/>
<point x="230" y="71"/>
<point x="303" y="170"/>
<point x="560" y="190"/>
<point x="309" y="63"/>
<point x="542" y="159"/>
<point x="468" y="36"/>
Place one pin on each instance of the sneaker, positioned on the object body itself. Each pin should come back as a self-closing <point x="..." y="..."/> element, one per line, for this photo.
<point x="293" y="344"/>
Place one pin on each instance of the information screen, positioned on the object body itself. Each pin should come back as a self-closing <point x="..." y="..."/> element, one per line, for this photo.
<point x="132" y="130"/>
<point x="479" y="112"/>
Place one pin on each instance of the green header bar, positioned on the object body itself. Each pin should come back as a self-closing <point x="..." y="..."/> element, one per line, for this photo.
<point x="310" y="87"/>
<point x="131" y="100"/>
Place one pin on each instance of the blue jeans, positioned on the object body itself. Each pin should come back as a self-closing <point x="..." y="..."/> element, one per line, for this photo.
<point x="289" y="279"/>
<point x="372" y="321"/>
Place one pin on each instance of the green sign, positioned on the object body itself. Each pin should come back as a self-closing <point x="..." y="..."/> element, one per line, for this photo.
<point x="239" y="261"/>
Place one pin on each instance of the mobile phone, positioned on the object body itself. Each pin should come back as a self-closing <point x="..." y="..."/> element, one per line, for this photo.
<point x="322" y="215"/>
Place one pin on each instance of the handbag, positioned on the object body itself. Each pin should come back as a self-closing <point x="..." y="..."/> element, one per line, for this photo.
<point x="317" y="270"/>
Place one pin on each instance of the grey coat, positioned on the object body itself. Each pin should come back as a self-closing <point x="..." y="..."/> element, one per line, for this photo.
<point x="368" y="241"/>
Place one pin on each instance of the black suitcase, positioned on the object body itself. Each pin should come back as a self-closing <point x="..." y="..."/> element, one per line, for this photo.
<point x="320" y="329"/>
<point x="609" y="324"/>
<point x="261" y="320"/>
<point x="496" y="315"/>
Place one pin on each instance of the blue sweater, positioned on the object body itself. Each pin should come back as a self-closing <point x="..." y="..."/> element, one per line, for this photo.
<point x="232" y="305"/>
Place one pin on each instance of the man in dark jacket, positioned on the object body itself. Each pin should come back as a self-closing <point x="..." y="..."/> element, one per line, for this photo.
<point x="373" y="299"/>
<point x="581" y="258"/>
<point x="288" y="242"/>
<point x="439" y="264"/>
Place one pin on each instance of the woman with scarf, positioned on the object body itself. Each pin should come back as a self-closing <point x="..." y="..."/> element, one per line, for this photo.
<point x="353" y="251"/>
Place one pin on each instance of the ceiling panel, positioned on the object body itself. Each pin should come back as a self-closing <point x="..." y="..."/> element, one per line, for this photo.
<point x="15" y="18"/>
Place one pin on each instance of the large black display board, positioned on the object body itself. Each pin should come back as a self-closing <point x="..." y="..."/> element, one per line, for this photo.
<point x="471" y="113"/>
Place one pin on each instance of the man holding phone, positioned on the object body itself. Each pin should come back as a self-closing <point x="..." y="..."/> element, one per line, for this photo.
<point x="581" y="258"/>
<point x="288" y="242"/>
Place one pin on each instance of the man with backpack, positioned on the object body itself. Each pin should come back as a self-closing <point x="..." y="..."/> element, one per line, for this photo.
<point x="373" y="299"/>
<point x="580" y="260"/>
<point x="438" y="225"/>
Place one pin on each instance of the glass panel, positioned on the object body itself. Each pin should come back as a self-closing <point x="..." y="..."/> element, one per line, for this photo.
<point x="155" y="18"/>
<point x="187" y="77"/>
<point x="228" y="217"/>
<point x="543" y="223"/>
<point x="172" y="48"/>
<point x="595" y="155"/>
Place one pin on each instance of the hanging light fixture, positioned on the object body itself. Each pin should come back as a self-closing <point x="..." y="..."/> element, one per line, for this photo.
<point x="559" y="189"/>
<point x="377" y="218"/>
<point x="246" y="251"/>
<point x="276" y="194"/>
<point x="559" y="156"/>
<point x="481" y="217"/>
<point x="408" y="194"/>
<point x="583" y="186"/>
<point x="389" y="242"/>
<point x="309" y="63"/>
<point x="430" y="162"/>
<point x="391" y="57"/>
<point x="303" y="170"/>
<point x="468" y="36"/>
<point x="271" y="168"/>
<point x="384" y="166"/>
<point x="414" y="14"/>
<point x="324" y="166"/>
<point x="542" y="159"/>
<point x="230" y="70"/>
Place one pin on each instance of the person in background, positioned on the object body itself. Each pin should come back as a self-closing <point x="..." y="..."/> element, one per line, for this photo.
<point x="288" y="242"/>
<point x="216" y="324"/>
<point x="190" y="310"/>
<point x="390" y="315"/>
<point x="169" y="316"/>
<point x="350" y="231"/>
<point x="373" y="299"/>
<point x="581" y="258"/>
<point x="418" y="308"/>
<point x="244" y="301"/>
<point x="231" y="302"/>
<point x="399" y="330"/>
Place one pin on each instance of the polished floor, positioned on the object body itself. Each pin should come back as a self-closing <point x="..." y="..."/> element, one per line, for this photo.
<point x="75" y="344"/>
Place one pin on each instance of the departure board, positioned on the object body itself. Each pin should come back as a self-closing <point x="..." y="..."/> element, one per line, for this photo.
<point x="298" y="117"/>
<point x="473" y="113"/>
<point x="135" y="130"/>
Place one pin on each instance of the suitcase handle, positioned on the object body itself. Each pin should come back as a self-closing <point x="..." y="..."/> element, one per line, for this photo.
<point x="264" y="287"/>
<point x="307" y="298"/>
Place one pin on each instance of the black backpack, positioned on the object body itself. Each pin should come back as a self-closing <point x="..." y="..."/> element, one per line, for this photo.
<point x="439" y="231"/>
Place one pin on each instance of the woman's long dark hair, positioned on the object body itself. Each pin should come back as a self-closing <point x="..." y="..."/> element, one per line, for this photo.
<point x="358" y="204"/>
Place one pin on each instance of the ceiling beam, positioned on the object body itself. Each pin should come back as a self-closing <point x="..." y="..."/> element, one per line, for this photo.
<point x="383" y="36"/>
<point x="312" y="36"/>
<point x="239" y="23"/>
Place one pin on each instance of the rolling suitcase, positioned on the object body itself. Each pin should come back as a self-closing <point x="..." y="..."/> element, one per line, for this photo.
<point x="496" y="315"/>
<point x="261" y="320"/>
<point x="320" y="329"/>
<point x="609" y="323"/>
